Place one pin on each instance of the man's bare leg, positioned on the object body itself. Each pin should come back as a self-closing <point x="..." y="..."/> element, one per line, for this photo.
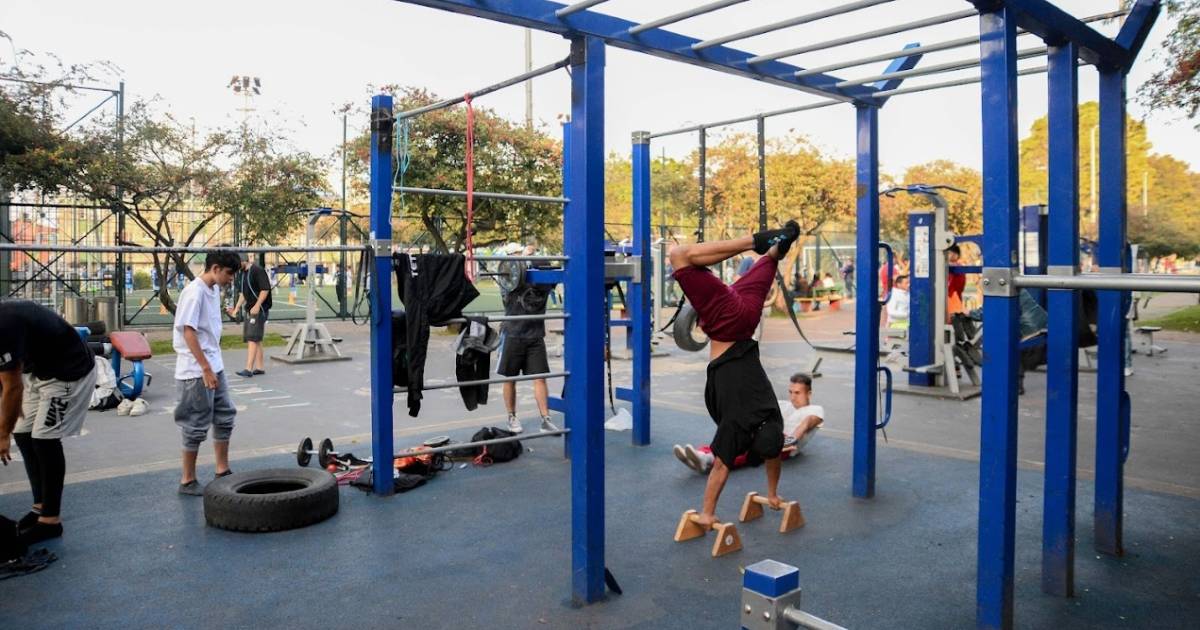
<point x="712" y="492"/>
<point x="773" y="468"/>
<point x="221" y="451"/>
<point x="709" y="252"/>
<point x="510" y="397"/>
<point x="541" y="395"/>
<point x="189" y="467"/>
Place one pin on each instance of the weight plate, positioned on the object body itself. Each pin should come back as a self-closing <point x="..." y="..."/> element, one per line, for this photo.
<point x="435" y="442"/>
<point x="304" y="452"/>
<point x="326" y="454"/>
<point x="511" y="275"/>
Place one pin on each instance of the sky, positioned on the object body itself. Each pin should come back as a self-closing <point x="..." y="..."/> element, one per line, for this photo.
<point x="314" y="56"/>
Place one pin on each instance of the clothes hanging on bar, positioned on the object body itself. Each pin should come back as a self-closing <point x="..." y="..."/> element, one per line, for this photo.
<point x="473" y="359"/>
<point x="434" y="288"/>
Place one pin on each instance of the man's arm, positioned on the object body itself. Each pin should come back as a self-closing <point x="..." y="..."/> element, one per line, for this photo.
<point x="12" y="389"/>
<point x="193" y="344"/>
<point x="262" y="297"/>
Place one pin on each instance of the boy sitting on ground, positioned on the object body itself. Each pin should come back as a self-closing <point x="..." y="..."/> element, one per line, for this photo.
<point x="801" y="419"/>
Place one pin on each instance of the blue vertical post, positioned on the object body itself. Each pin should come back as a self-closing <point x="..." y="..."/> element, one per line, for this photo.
<point x="583" y="242"/>
<point x="998" y="431"/>
<point x="382" y="124"/>
<point x="566" y="191"/>
<point x="923" y="330"/>
<point x="1110" y="374"/>
<point x="866" y="309"/>
<point x="639" y="289"/>
<point x="1062" y="336"/>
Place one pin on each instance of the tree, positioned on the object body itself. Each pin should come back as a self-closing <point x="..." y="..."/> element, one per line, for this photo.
<point x="963" y="213"/>
<point x="508" y="158"/>
<point x="1169" y="224"/>
<point x="1177" y="85"/>
<point x="674" y="193"/>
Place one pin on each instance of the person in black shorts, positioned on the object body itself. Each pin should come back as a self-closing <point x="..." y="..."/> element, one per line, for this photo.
<point x="523" y="349"/>
<point x="47" y="375"/>
<point x="737" y="393"/>
<point x="254" y="294"/>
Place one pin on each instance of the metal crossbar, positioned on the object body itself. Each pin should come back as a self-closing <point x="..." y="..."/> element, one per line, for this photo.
<point x="742" y="119"/>
<point x="126" y="249"/>
<point x="949" y="66"/>
<point x="576" y="8"/>
<point x="683" y="15"/>
<point x="949" y="84"/>
<point x="488" y="381"/>
<point x="520" y="78"/>
<point x="782" y="24"/>
<point x="930" y="48"/>
<point x="480" y="194"/>
<point x="1112" y="282"/>
<point x="861" y="37"/>
<point x="462" y="445"/>
<point x="502" y="318"/>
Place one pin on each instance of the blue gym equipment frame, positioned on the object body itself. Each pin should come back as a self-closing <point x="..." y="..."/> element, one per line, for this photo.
<point x="1069" y="41"/>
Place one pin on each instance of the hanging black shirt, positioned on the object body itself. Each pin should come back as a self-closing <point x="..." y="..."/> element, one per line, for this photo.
<point x="42" y="342"/>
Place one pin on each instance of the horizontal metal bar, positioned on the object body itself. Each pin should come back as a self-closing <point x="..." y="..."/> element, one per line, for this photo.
<point x="480" y="194"/>
<point x="504" y="440"/>
<point x="1113" y="282"/>
<point x="487" y="381"/>
<point x="949" y="66"/>
<point x="948" y="84"/>
<point x="502" y="318"/>
<point x="66" y="86"/>
<point x="626" y="394"/>
<point x="576" y="8"/>
<point x="929" y="48"/>
<point x="808" y="621"/>
<point x="520" y="78"/>
<point x="126" y="249"/>
<point x="683" y="15"/>
<point x="850" y="39"/>
<point x="782" y="24"/>
<point x="742" y="119"/>
<point x="524" y="258"/>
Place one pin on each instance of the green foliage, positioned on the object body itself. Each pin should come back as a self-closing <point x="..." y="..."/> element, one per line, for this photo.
<point x="1170" y="222"/>
<point x="1177" y="85"/>
<point x="964" y="213"/>
<point x="508" y="158"/>
<point x="1184" y="320"/>
<point x="141" y="281"/>
<point x="228" y="342"/>
<point x="674" y="193"/>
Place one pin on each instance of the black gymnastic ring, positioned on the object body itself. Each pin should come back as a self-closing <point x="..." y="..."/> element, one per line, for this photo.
<point x="685" y="328"/>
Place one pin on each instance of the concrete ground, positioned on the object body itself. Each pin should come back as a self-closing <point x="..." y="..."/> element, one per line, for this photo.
<point x="490" y="546"/>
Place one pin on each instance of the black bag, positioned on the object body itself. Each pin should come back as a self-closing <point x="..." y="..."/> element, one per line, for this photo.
<point x="495" y="453"/>
<point x="10" y="546"/>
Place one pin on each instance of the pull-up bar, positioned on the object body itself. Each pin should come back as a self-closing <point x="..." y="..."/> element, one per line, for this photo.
<point x="949" y="84"/>
<point x="949" y="66"/>
<point x="520" y="78"/>
<point x="683" y="15"/>
<point x="782" y="24"/>
<point x="742" y="119"/>
<point x="480" y="194"/>
<point x="576" y="8"/>
<point x="930" y="48"/>
<point x="851" y="39"/>
<point x="1111" y="282"/>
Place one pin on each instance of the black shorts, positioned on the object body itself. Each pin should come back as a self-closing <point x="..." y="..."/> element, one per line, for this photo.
<point x="519" y="356"/>
<point x="254" y="330"/>
<point x="762" y="443"/>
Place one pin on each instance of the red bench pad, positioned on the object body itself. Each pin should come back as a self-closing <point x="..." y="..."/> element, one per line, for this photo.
<point x="132" y="345"/>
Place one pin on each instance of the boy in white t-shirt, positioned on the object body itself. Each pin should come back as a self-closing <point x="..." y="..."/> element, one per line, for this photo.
<point x="199" y="370"/>
<point x="801" y="419"/>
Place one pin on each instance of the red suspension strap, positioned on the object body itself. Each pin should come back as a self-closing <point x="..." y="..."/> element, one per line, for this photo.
<point x="470" y="160"/>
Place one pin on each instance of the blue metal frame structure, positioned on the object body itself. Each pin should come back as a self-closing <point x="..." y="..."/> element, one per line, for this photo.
<point x="1068" y="39"/>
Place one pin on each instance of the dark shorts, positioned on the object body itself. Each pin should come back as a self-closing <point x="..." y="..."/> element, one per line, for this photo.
<point x="519" y="356"/>
<point x="728" y="312"/>
<point x="761" y="443"/>
<point x="254" y="330"/>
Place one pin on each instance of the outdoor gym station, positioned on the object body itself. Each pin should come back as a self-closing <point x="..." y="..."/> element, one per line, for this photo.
<point x="875" y="536"/>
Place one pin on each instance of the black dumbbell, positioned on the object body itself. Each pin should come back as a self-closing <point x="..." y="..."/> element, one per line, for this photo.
<point x="325" y="454"/>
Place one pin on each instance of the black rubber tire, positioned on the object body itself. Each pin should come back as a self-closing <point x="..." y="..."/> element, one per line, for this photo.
<point x="685" y="329"/>
<point x="270" y="500"/>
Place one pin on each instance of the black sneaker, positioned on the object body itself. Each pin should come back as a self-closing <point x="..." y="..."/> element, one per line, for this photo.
<point x="244" y="373"/>
<point x="224" y="474"/>
<point x="40" y="532"/>
<point x="259" y="372"/>
<point x="192" y="488"/>
<point x="27" y="522"/>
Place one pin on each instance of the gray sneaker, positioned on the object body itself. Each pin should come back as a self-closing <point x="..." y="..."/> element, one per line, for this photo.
<point x="514" y="425"/>
<point x="547" y="425"/>
<point x="192" y="488"/>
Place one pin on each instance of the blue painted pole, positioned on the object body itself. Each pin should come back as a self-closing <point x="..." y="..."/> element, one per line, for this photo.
<point x="866" y="308"/>
<point x="583" y="242"/>
<point x="1062" y="335"/>
<point x="382" y="124"/>
<point x="923" y="329"/>
<point x="998" y="415"/>
<point x="639" y="289"/>
<point x="566" y="192"/>
<point x="1110" y="369"/>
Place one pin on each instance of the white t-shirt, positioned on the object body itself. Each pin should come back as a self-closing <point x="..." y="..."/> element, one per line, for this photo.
<point x="897" y="306"/>
<point x="793" y="416"/>
<point x="199" y="306"/>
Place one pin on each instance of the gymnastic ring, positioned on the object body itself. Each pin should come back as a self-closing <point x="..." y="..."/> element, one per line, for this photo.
<point x="686" y="328"/>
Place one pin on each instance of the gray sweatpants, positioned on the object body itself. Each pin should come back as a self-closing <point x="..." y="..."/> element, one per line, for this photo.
<point x="200" y="407"/>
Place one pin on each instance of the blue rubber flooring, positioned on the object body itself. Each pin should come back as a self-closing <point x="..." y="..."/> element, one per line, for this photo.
<point x="490" y="547"/>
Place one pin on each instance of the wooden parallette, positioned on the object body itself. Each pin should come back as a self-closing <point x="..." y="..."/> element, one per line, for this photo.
<point x="728" y="540"/>
<point x="752" y="508"/>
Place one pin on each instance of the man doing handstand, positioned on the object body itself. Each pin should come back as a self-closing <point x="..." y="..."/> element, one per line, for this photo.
<point x="738" y="394"/>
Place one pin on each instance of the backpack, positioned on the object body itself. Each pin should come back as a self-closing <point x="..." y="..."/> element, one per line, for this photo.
<point x="494" y="454"/>
<point x="10" y="546"/>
